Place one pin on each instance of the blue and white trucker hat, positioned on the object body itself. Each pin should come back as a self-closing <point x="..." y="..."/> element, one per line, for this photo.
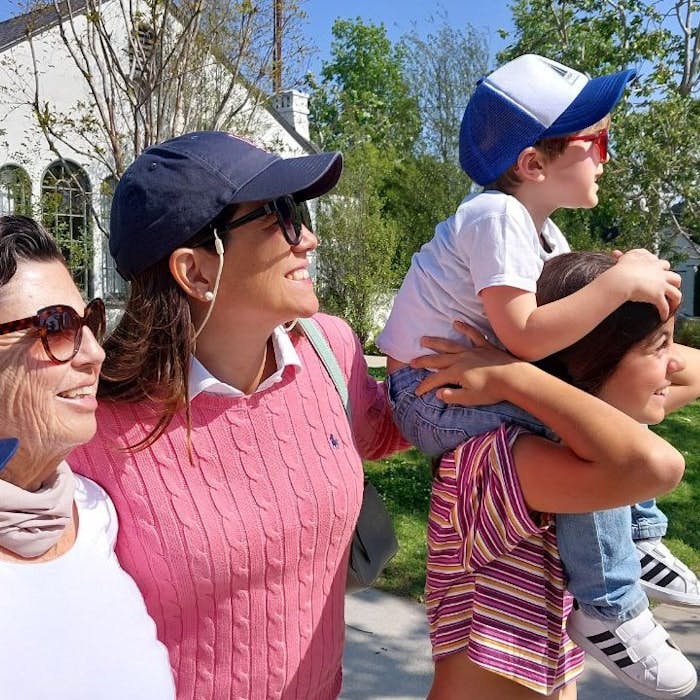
<point x="527" y="99"/>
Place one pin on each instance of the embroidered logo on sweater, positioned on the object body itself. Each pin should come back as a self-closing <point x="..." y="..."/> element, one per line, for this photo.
<point x="335" y="443"/>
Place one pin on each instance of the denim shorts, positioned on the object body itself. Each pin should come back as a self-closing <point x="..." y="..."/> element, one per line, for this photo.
<point x="435" y="427"/>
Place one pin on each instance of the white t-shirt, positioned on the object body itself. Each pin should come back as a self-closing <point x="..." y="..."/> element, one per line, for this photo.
<point x="490" y="241"/>
<point x="76" y="627"/>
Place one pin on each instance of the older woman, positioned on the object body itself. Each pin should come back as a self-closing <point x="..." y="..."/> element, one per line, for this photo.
<point x="73" y="625"/>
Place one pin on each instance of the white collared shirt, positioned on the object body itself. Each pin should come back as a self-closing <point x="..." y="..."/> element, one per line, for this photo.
<point x="202" y="380"/>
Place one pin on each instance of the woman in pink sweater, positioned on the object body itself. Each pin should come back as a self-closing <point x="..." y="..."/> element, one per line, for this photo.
<point x="222" y="440"/>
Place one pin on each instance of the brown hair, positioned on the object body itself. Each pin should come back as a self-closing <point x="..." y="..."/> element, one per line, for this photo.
<point x="23" y="239"/>
<point x="550" y="148"/>
<point x="591" y="360"/>
<point x="148" y="353"/>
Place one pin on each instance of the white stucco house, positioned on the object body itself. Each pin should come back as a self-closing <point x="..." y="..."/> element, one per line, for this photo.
<point x="78" y="186"/>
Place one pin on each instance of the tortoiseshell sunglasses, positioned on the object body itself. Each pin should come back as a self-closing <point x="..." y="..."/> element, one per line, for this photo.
<point x="61" y="328"/>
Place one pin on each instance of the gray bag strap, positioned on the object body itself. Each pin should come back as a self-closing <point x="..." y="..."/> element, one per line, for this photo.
<point x="374" y="540"/>
<point x="323" y="350"/>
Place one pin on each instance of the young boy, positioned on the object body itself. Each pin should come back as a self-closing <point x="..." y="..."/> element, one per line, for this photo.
<point x="534" y="135"/>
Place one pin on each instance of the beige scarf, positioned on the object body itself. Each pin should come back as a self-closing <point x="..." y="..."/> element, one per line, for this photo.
<point x="31" y="522"/>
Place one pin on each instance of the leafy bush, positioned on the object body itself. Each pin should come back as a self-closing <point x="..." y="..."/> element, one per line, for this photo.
<point x="688" y="332"/>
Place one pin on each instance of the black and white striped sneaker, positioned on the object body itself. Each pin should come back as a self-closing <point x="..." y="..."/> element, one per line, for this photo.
<point x="639" y="652"/>
<point x="664" y="577"/>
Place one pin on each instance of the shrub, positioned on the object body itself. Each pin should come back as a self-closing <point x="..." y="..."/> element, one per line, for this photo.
<point x="688" y="332"/>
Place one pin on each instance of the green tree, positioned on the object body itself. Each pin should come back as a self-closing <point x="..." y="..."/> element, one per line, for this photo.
<point x="416" y="195"/>
<point x="363" y="107"/>
<point x="597" y="37"/>
<point x="655" y="157"/>
<point x="358" y="245"/>
<point x="362" y="95"/>
<point x="441" y="67"/>
<point x="406" y="100"/>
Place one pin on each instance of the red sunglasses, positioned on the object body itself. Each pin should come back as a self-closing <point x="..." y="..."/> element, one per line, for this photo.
<point x="600" y="138"/>
<point x="61" y="328"/>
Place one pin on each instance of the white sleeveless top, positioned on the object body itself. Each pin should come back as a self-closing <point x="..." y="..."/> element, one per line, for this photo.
<point x="76" y="627"/>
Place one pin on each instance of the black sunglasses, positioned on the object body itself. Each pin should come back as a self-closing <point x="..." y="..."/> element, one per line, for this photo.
<point x="61" y="328"/>
<point x="291" y="216"/>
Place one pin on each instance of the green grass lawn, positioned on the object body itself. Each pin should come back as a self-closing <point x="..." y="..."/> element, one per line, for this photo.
<point x="404" y="482"/>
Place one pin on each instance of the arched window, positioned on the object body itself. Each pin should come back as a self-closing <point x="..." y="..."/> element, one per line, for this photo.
<point x="65" y="209"/>
<point x="113" y="286"/>
<point x="15" y="191"/>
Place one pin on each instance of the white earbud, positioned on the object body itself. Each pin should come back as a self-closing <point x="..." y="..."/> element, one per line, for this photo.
<point x="210" y="296"/>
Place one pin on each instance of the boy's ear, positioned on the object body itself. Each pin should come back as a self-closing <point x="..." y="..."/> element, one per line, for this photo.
<point x="530" y="165"/>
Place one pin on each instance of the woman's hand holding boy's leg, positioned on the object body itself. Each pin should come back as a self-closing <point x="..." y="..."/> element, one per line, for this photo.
<point x="469" y="375"/>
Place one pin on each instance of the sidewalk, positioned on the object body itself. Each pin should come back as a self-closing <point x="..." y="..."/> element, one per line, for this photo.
<point x="387" y="654"/>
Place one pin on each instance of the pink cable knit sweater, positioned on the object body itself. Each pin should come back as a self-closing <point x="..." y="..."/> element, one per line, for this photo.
<point x="241" y="556"/>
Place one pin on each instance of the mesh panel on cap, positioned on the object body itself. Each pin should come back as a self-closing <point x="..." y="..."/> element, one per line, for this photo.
<point x="494" y="133"/>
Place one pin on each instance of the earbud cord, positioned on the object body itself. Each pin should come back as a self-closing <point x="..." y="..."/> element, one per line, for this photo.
<point x="220" y="252"/>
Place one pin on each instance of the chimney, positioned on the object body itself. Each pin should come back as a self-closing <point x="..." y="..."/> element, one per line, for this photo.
<point x="293" y="107"/>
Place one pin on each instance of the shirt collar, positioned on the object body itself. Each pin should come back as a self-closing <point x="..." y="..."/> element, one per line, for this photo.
<point x="202" y="380"/>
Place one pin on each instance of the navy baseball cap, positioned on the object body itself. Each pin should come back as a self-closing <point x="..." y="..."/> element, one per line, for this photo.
<point x="527" y="99"/>
<point x="174" y="189"/>
<point x="8" y="447"/>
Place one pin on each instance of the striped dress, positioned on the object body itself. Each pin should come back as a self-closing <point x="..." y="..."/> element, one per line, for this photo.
<point x="495" y="587"/>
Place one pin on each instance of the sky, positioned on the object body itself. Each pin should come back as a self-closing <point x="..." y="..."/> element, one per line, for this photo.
<point x="398" y="17"/>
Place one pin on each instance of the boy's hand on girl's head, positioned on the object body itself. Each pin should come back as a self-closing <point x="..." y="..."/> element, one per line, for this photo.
<point x="463" y="374"/>
<point x="645" y="277"/>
